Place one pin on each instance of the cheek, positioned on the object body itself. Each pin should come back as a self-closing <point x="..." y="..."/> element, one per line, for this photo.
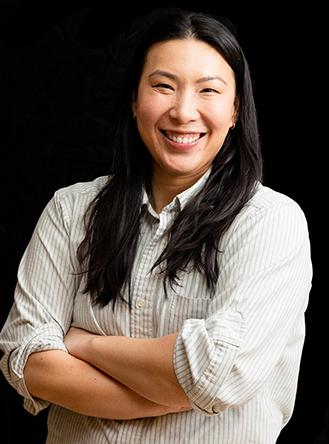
<point x="145" y="122"/>
<point x="219" y="116"/>
<point x="147" y="116"/>
<point x="150" y="109"/>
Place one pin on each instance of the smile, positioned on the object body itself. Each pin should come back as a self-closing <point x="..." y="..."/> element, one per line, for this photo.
<point x="182" y="138"/>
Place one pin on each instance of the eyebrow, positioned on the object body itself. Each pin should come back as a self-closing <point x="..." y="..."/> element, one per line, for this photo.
<point x="206" y="79"/>
<point x="160" y="72"/>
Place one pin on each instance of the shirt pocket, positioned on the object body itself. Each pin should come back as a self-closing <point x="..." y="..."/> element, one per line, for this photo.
<point x="181" y="308"/>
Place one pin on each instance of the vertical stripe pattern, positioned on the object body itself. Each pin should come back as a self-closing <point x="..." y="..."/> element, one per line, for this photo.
<point x="238" y="351"/>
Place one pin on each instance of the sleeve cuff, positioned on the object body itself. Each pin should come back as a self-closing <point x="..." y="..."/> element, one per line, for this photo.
<point x="204" y="356"/>
<point x="47" y="337"/>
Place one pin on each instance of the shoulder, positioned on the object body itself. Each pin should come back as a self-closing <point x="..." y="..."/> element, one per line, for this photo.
<point x="83" y="190"/>
<point x="266" y="201"/>
<point x="272" y="215"/>
<point x="266" y="198"/>
<point x="271" y="229"/>
<point x="73" y="201"/>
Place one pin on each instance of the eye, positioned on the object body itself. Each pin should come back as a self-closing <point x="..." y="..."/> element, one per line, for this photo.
<point x="209" y="91"/>
<point x="163" y="86"/>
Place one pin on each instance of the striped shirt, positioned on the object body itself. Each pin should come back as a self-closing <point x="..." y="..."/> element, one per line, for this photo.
<point x="238" y="352"/>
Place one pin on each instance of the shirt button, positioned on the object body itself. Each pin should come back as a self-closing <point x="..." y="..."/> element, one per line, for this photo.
<point x="141" y="303"/>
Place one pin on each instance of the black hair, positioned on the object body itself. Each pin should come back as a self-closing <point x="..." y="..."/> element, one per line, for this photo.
<point x="112" y="221"/>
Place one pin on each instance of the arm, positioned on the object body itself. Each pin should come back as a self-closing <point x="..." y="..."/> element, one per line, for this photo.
<point x="57" y="377"/>
<point x="143" y="365"/>
<point x="36" y="361"/>
<point x="44" y="296"/>
<point x="254" y="324"/>
<point x="251" y="339"/>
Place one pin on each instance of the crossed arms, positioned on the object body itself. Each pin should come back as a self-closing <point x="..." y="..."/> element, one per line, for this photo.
<point x="108" y="376"/>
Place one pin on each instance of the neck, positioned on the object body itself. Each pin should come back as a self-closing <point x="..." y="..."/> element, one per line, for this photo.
<point x="166" y="187"/>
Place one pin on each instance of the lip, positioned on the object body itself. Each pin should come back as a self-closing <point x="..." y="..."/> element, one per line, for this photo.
<point x="182" y="146"/>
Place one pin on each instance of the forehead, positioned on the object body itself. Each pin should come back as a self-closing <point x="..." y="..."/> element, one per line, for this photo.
<point x="188" y="59"/>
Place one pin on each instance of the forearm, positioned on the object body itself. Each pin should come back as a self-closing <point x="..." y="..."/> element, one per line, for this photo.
<point x="143" y="365"/>
<point x="62" y="379"/>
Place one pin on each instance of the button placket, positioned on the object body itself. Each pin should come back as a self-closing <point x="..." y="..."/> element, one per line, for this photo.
<point x="141" y="310"/>
<point x="146" y="283"/>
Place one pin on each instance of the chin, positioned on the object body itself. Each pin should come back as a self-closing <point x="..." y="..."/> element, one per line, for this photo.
<point x="186" y="170"/>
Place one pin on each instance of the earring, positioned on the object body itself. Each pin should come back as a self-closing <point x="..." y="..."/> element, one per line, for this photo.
<point x="134" y="114"/>
<point x="233" y="126"/>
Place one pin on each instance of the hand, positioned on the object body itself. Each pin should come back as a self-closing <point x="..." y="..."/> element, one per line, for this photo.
<point x="76" y="341"/>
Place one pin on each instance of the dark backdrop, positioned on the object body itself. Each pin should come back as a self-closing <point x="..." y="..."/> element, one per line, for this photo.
<point x="60" y="67"/>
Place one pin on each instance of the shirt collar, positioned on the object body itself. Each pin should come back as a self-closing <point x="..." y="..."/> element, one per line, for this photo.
<point x="181" y="199"/>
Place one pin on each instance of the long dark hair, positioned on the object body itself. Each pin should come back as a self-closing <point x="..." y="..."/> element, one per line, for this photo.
<point x="113" y="219"/>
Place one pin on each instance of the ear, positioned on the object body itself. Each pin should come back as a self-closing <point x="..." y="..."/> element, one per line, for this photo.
<point x="236" y="107"/>
<point x="133" y="99"/>
<point x="133" y="109"/>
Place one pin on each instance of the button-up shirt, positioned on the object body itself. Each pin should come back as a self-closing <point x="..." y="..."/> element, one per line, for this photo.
<point x="238" y="352"/>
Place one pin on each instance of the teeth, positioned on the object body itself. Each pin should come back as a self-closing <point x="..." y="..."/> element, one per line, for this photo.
<point x="183" y="140"/>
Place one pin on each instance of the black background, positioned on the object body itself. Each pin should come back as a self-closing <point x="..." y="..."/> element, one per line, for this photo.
<point x="59" y="75"/>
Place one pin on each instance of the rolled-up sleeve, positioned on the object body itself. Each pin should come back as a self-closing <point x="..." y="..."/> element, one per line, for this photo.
<point x="254" y="329"/>
<point x="42" y="311"/>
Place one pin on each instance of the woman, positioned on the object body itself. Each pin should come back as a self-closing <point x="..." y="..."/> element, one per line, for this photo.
<point x="165" y="303"/>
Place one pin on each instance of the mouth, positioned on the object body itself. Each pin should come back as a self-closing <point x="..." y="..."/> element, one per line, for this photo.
<point x="183" y="138"/>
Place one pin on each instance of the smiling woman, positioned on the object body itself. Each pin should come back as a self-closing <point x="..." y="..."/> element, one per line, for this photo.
<point x="184" y="109"/>
<point x="166" y="92"/>
<point x="169" y="295"/>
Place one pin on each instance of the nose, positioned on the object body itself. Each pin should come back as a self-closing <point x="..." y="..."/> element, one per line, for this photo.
<point x="184" y="109"/>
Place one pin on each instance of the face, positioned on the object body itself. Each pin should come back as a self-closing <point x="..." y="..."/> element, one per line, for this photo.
<point x="185" y="106"/>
